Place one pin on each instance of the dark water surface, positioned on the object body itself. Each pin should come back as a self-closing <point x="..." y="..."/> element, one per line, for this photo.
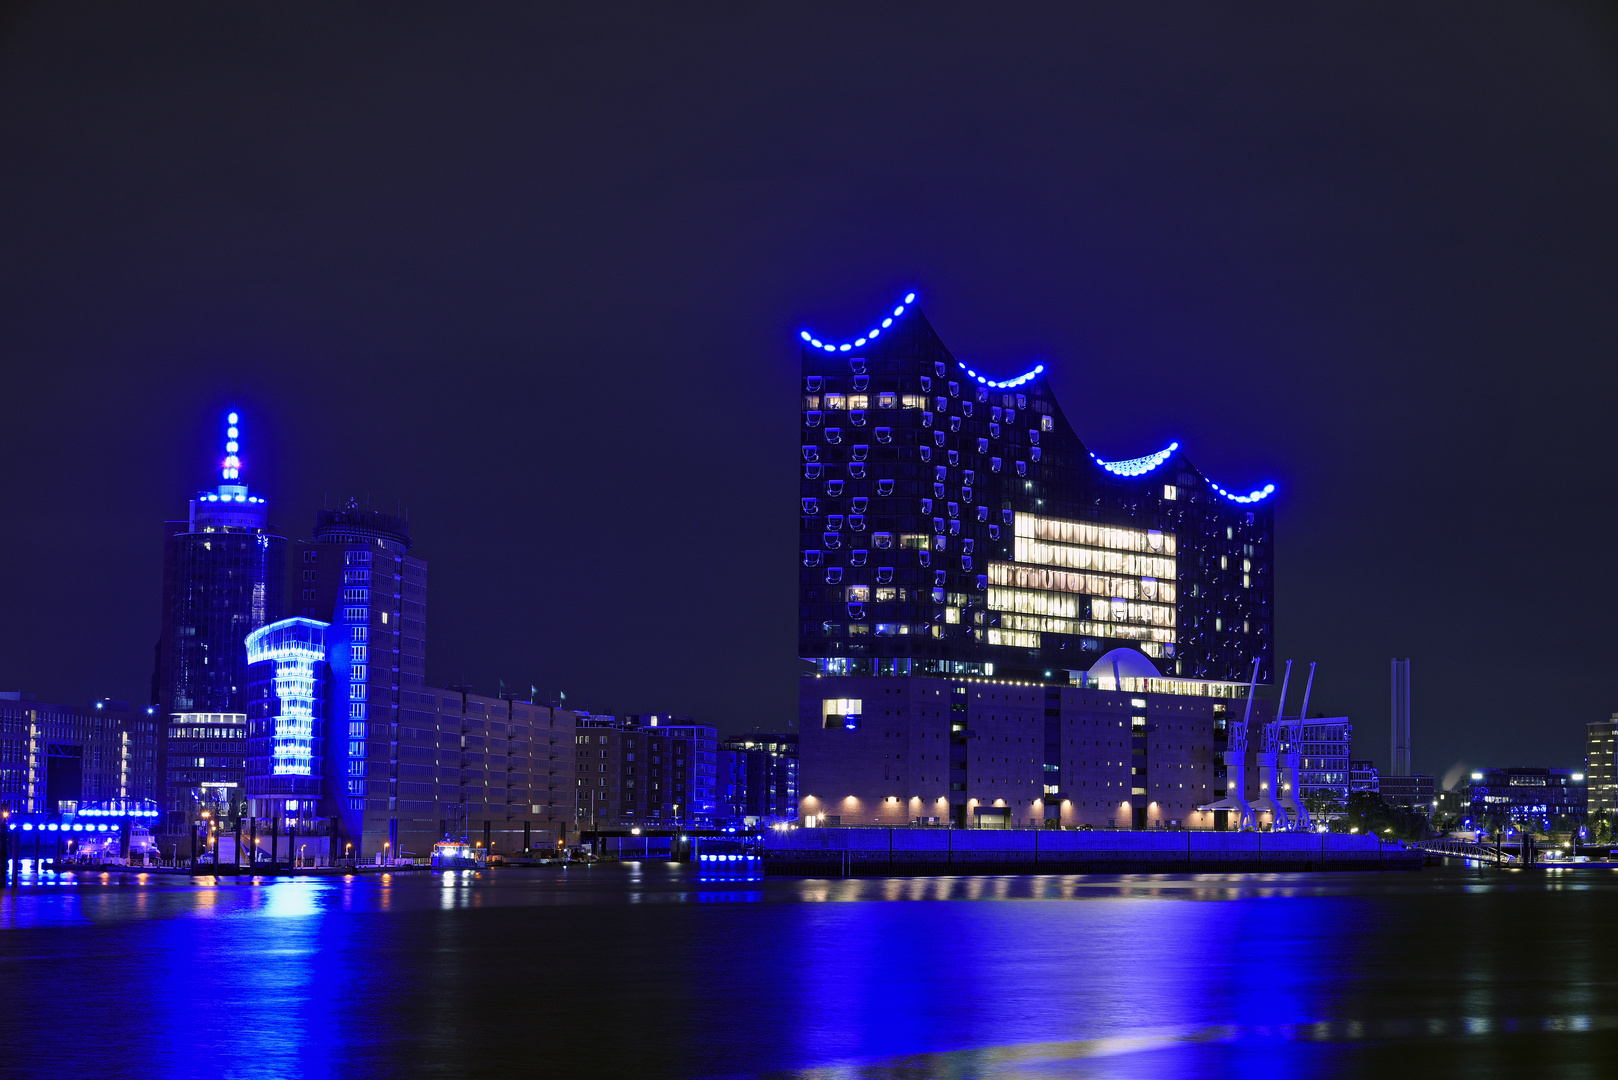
<point x="649" y="971"/>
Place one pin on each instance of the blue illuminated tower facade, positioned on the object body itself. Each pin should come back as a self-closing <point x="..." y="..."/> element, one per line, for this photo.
<point x="286" y="718"/>
<point x="357" y="573"/>
<point x="953" y="523"/>
<point x="224" y="573"/>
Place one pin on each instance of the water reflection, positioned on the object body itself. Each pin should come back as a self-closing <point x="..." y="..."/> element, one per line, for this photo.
<point x="453" y="973"/>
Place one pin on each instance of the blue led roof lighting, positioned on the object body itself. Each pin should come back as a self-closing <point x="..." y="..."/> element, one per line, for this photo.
<point x="232" y="467"/>
<point x="1138" y="466"/>
<point x="870" y="335"/>
<point x="1251" y="497"/>
<point x="1026" y="376"/>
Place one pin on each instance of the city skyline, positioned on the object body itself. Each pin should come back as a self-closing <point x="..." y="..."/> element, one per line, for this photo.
<point x="558" y="364"/>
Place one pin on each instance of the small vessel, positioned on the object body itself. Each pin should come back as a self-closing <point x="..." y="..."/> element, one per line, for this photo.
<point x="456" y="855"/>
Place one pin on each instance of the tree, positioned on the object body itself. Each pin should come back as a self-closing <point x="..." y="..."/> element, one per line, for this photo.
<point x="1322" y="804"/>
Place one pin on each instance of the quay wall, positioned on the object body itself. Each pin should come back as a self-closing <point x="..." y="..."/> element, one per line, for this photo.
<point x="881" y="852"/>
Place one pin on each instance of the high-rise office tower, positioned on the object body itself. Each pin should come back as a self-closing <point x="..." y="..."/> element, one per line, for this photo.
<point x="224" y="571"/>
<point x="357" y="574"/>
<point x="1074" y="626"/>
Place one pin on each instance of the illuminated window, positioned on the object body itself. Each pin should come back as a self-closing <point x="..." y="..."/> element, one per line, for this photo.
<point x="887" y="401"/>
<point x="1170" y="492"/>
<point x="1047" y="423"/>
<point x="859" y="593"/>
<point x="835" y="401"/>
<point x="913" y="401"/>
<point x="886" y="594"/>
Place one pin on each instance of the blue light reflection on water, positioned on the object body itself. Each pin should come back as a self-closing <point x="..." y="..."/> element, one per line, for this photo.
<point x="683" y="975"/>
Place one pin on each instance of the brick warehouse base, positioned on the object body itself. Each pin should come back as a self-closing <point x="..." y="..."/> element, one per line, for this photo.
<point x="879" y="852"/>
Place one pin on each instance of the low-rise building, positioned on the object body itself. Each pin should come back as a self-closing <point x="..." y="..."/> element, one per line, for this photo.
<point x="54" y="756"/>
<point x="1362" y="776"/>
<point x="758" y="779"/>
<point x="1538" y="798"/>
<point x="1413" y="792"/>
<point x="654" y="770"/>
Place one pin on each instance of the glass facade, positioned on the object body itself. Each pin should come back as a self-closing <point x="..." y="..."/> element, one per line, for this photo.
<point x="224" y="574"/>
<point x="950" y="524"/>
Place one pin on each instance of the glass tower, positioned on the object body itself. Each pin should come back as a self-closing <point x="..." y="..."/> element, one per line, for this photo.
<point x="952" y="523"/>
<point x="224" y="573"/>
<point x="357" y="574"/>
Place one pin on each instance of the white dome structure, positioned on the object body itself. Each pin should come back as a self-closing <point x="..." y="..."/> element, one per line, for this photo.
<point x="1125" y="664"/>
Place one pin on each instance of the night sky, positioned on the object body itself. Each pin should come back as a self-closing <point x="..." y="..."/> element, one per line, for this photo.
<point x="535" y="274"/>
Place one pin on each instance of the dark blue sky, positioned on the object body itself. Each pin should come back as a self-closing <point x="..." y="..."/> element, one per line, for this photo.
<point x="536" y="274"/>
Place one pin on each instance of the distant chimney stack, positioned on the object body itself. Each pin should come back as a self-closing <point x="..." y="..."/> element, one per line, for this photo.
<point x="1401" y="717"/>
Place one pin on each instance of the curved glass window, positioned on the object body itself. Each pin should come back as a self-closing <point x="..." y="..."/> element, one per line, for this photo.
<point x="812" y="418"/>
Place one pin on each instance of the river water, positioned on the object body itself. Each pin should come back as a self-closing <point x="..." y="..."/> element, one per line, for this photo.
<point x="648" y="970"/>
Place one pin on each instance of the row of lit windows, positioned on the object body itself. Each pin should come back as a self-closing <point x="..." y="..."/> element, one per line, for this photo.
<point x="1090" y="534"/>
<point x="1034" y="577"/>
<point x="207" y="733"/>
<point x="883" y="629"/>
<point x="1043" y="553"/>
<point x="1069" y="606"/>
